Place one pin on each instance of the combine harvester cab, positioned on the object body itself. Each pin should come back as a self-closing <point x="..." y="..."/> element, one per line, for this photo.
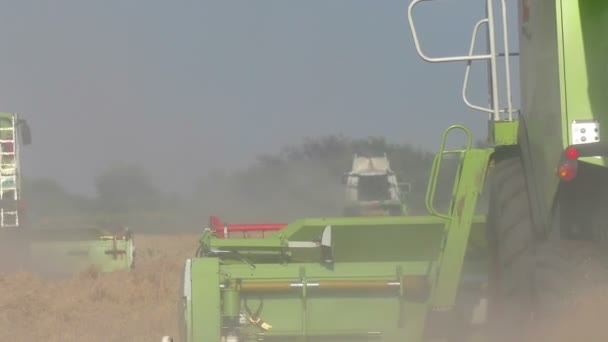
<point x="53" y="249"/>
<point x="390" y="278"/>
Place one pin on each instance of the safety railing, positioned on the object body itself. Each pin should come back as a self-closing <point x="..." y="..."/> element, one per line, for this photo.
<point x="436" y="167"/>
<point x="491" y="57"/>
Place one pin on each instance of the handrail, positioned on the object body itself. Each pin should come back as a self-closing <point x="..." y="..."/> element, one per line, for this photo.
<point x="465" y="83"/>
<point x="490" y="57"/>
<point x="436" y="167"/>
<point x="410" y="15"/>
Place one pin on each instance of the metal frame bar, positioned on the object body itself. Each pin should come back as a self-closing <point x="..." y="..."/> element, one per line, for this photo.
<point x="490" y="57"/>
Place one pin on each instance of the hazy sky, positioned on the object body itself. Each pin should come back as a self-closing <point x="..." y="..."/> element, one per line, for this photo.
<point x="184" y="87"/>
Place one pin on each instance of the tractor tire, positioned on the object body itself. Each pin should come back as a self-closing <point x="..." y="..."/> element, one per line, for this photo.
<point x="525" y="276"/>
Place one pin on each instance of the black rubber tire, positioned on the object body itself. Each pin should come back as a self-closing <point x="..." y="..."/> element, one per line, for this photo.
<point x="519" y="266"/>
<point x="532" y="279"/>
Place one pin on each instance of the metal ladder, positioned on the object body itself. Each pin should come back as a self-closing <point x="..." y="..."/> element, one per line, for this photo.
<point x="491" y="56"/>
<point x="9" y="186"/>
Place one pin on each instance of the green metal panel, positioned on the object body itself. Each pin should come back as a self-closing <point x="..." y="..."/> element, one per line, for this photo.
<point x="311" y="312"/>
<point x="584" y="49"/>
<point x="503" y="133"/>
<point x="205" y="317"/>
<point x="6" y="115"/>
<point x="563" y="78"/>
<point x="365" y="249"/>
<point x="469" y="187"/>
<point x="356" y="238"/>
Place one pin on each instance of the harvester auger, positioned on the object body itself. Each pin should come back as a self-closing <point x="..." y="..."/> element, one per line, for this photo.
<point x="50" y="250"/>
<point x="548" y="182"/>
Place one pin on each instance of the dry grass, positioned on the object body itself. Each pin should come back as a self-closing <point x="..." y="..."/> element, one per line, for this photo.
<point x="137" y="306"/>
<point x="583" y="318"/>
<point x="141" y="305"/>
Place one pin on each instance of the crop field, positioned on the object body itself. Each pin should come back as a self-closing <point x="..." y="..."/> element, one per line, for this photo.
<point x="141" y="305"/>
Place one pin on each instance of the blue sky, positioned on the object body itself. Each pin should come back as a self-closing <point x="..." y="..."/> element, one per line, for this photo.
<point x="184" y="87"/>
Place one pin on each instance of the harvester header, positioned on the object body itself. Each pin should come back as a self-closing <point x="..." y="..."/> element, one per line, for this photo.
<point x="337" y="278"/>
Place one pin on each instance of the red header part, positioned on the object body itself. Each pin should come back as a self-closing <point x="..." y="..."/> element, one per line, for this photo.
<point x="216" y="224"/>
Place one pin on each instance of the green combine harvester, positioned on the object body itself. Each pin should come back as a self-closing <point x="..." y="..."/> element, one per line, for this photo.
<point x="48" y="250"/>
<point x="372" y="188"/>
<point x="447" y="276"/>
<point x="548" y="184"/>
<point x="344" y="278"/>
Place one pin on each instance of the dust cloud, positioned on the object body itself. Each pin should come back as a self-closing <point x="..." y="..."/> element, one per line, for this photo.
<point x="141" y="305"/>
<point x="582" y="316"/>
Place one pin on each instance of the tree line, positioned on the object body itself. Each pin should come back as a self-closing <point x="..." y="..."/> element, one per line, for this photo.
<point x="302" y="180"/>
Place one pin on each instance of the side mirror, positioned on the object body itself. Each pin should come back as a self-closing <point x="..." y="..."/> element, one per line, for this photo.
<point x="345" y="179"/>
<point x="24" y="130"/>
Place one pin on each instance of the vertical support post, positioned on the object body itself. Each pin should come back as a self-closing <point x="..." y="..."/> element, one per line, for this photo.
<point x="401" y="318"/>
<point x="493" y="71"/>
<point x="489" y="71"/>
<point x="231" y="307"/>
<point x="505" y="28"/>
<point x="468" y="188"/>
<point x="304" y="301"/>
